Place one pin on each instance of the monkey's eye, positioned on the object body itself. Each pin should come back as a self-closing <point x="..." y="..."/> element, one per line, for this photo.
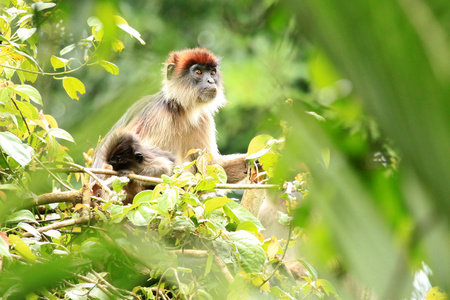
<point x="139" y="157"/>
<point x="213" y="73"/>
<point x="198" y="72"/>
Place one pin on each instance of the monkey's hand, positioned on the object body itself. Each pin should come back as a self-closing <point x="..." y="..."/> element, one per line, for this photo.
<point x="235" y="166"/>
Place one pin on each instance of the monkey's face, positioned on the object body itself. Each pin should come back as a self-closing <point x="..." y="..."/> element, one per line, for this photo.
<point x="205" y="78"/>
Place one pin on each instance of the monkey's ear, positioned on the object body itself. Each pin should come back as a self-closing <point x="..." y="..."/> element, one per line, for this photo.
<point x="170" y="68"/>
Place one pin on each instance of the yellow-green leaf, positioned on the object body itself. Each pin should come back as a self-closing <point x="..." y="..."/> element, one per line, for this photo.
<point x="58" y="62"/>
<point x="215" y="203"/>
<point x="21" y="247"/>
<point x="258" y="143"/>
<point x="73" y="86"/>
<point x="117" y="45"/>
<point x="109" y="67"/>
<point x="436" y="294"/>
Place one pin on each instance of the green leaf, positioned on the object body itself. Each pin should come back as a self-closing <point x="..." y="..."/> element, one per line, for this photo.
<point x="28" y="110"/>
<point x="4" y="249"/>
<point x="61" y="134"/>
<point x="247" y="226"/>
<point x="283" y="219"/>
<point x="182" y="223"/>
<point x="109" y="67"/>
<point x="143" y="196"/>
<point x="21" y="216"/>
<point x="22" y="248"/>
<point x="258" y="154"/>
<point x="168" y="200"/>
<point x="142" y="215"/>
<point x="215" y="203"/>
<point x="206" y="185"/>
<point x="94" y="22"/>
<point x="209" y="263"/>
<point x="93" y="249"/>
<point x="67" y="49"/>
<point x="58" y="62"/>
<point x="252" y="255"/>
<point x="217" y="172"/>
<point x="311" y="270"/>
<point x="119" y="183"/>
<point x="29" y="92"/>
<point x="117" y="213"/>
<point x="53" y="233"/>
<point x="73" y="86"/>
<point x="12" y="145"/>
<point x="6" y="94"/>
<point x="133" y="32"/>
<point x="30" y="229"/>
<point x="326" y="285"/>
<point x="25" y="33"/>
<point x="239" y="214"/>
<point x="9" y="186"/>
<point x="117" y="45"/>
<point x="258" y="143"/>
<point x="38" y="6"/>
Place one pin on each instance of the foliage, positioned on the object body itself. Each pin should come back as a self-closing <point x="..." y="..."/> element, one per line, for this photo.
<point x="364" y="144"/>
<point x="200" y="243"/>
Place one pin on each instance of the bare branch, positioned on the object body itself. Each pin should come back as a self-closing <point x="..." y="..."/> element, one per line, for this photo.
<point x="70" y="196"/>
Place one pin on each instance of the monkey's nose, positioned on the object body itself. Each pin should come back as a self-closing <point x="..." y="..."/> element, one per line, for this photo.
<point x="210" y="80"/>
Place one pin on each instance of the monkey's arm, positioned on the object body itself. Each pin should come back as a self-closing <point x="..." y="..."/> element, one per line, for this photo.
<point x="235" y="166"/>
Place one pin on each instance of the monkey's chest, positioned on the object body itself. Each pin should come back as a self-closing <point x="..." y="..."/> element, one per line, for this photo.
<point x="180" y="139"/>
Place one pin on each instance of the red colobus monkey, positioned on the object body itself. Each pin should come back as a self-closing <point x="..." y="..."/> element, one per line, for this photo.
<point x="176" y="119"/>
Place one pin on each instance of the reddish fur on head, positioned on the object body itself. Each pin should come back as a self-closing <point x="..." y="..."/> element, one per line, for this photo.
<point x="184" y="59"/>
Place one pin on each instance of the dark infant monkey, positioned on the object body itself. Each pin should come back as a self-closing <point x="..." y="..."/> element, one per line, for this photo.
<point x="126" y="154"/>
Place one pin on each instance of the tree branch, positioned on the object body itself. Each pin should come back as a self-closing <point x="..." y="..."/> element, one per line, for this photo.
<point x="48" y="198"/>
<point x="155" y="180"/>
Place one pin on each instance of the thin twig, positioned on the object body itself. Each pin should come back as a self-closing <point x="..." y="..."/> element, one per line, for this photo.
<point x="61" y="224"/>
<point x="88" y="171"/>
<point x="21" y="115"/>
<point x="53" y="175"/>
<point x="113" y="288"/>
<point x="97" y="283"/>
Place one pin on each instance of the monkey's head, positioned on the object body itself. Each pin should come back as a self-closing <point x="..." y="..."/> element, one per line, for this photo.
<point x="192" y="77"/>
<point x="124" y="152"/>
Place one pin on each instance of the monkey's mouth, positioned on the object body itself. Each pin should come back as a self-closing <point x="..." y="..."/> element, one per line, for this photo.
<point x="208" y="94"/>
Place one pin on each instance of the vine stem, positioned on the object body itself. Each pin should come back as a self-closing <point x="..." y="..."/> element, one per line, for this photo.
<point x="45" y="73"/>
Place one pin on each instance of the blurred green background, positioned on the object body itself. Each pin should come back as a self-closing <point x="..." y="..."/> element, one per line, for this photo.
<point x="378" y="72"/>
